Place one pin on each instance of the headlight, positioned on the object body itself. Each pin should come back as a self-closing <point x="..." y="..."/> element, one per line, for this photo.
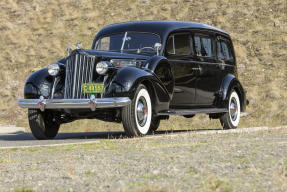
<point x="54" y="69"/>
<point x="102" y="67"/>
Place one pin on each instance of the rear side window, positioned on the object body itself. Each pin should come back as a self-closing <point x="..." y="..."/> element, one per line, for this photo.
<point x="224" y="50"/>
<point x="179" y="44"/>
<point x="203" y="46"/>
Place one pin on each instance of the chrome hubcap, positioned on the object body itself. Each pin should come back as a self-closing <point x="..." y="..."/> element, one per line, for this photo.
<point x="233" y="109"/>
<point x="142" y="111"/>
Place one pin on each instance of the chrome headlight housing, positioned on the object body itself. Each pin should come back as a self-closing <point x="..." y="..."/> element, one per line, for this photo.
<point x="102" y="67"/>
<point x="54" y="69"/>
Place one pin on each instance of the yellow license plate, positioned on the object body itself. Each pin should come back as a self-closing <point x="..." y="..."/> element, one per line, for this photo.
<point x="93" y="88"/>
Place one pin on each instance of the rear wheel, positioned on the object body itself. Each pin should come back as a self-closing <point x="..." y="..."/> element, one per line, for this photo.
<point x="230" y="120"/>
<point x="155" y="121"/>
<point x="136" y="117"/>
<point x="43" y="125"/>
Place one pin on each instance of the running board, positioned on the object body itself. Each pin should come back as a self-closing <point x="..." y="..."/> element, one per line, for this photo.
<point x="193" y="111"/>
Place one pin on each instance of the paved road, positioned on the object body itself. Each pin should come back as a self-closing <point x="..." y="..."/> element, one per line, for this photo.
<point x="22" y="139"/>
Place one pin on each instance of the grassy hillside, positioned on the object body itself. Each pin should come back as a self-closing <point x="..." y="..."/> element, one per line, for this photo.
<point x="34" y="33"/>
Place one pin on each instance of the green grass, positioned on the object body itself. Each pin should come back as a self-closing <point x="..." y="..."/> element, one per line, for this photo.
<point x="23" y="189"/>
<point x="192" y="171"/>
<point x="89" y="173"/>
<point x="219" y="185"/>
<point x="153" y="176"/>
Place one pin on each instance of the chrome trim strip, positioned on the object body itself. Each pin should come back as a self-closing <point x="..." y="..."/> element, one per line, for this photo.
<point x="199" y="62"/>
<point x="193" y="111"/>
<point x="56" y="81"/>
<point x="92" y="103"/>
<point x="75" y="74"/>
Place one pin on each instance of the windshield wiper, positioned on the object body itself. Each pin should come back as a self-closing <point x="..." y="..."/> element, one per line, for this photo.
<point x="124" y="40"/>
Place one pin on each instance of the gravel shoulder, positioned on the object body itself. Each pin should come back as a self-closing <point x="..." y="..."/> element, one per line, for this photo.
<point x="255" y="161"/>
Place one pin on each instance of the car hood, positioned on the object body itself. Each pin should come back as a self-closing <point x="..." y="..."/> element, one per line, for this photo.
<point x="113" y="55"/>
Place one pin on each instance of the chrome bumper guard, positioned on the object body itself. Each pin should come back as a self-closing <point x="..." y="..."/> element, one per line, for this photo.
<point x="92" y="103"/>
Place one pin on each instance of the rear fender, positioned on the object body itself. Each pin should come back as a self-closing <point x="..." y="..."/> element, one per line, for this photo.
<point x="231" y="82"/>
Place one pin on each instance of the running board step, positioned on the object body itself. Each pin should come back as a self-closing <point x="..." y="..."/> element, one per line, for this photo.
<point x="193" y="111"/>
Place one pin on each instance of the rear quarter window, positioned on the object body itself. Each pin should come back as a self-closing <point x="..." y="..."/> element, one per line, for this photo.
<point x="203" y="46"/>
<point x="224" y="49"/>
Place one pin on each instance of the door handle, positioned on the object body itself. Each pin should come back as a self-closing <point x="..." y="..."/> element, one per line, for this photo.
<point x="196" y="69"/>
<point x="221" y="66"/>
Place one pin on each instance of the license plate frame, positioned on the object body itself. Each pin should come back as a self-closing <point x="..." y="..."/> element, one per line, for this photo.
<point x="93" y="88"/>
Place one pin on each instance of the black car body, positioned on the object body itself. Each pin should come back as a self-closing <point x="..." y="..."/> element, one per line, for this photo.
<point x="186" y="68"/>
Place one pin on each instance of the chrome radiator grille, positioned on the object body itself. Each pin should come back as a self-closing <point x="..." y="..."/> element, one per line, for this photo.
<point x="79" y="70"/>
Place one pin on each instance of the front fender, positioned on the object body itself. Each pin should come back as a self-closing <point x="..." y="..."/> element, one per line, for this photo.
<point x="39" y="83"/>
<point x="127" y="79"/>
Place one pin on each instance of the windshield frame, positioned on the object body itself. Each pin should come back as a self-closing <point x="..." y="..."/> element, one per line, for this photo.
<point x="95" y="44"/>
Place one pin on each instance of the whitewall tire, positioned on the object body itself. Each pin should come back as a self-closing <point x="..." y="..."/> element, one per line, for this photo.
<point x="136" y="117"/>
<point x="230" y="120"/>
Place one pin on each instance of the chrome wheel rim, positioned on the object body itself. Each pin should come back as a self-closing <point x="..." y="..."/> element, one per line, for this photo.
<point x="233" y="109"/>
<point x="142" y="111"/>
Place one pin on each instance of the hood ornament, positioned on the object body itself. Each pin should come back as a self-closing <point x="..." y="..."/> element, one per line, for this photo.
<point x="69" y="50"/>
<point x="78" y="45"/>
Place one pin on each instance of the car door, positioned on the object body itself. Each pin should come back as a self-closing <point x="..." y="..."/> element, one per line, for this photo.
<point x="179" y="53"/>
<point x="209" y="80"/>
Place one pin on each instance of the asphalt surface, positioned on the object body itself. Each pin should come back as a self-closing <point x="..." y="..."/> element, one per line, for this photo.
<point x="22" y="139"/>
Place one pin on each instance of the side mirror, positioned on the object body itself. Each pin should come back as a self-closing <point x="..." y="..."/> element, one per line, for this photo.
<point x="157" y="47"/>
<point x="69" y="50"/>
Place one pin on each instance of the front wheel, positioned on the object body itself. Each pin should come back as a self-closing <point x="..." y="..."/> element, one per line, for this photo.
<point x="136" y="117"/>
<point x="230" y="120"/>
<point x="43" y="125"/>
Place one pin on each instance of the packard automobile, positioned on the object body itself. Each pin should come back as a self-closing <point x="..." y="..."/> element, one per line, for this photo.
<point x="137" y="74"/>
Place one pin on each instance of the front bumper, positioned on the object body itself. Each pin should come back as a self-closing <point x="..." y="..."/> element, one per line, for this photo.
<point x="92" y="103"/>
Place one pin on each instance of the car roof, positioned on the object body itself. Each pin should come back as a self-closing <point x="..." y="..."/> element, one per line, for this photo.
<point x="160" y="27"/>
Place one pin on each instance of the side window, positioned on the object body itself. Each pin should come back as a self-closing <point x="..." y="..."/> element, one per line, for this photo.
<point x="170" y="45"/>
<point x="203" y="46"/>
<point x="179" y="44"/>
<point x="224" y="50"/>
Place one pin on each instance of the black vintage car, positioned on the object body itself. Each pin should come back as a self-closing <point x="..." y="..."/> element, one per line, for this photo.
<point x="139" y="73"/>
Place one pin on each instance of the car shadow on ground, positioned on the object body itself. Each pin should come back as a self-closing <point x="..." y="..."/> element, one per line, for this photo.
<point x="21" y="136"/>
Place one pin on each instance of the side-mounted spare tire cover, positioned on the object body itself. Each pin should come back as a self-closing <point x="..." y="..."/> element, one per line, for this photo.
<point x="162" y="69"/>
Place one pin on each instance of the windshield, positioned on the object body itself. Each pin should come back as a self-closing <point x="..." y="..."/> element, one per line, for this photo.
<point x="129" y="42"/>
